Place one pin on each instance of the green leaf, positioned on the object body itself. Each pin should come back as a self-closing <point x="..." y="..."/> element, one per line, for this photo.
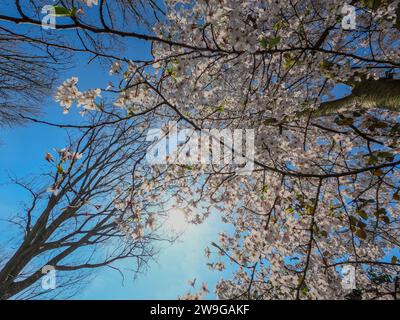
<point x="170" y="71"/>
<point x="64" y="12"/>
<point x="326" y="65"/>
<point x="326" y="68"/>
<point x="362" y="214"/>
<point x="304" y="290"/>
<point x="274" y="42"/>
<point x="380" y="211"/>
<point x="361" y="234"/>
<point x="288" y="60"/>
<point x="373" y="4"/>
<point x="290" y="210"/>
<point x="385" y="219"/>
<point x="269" y="43"/>
<point x="384" y="154"/>
<point x="309" y="209"/>
<point x="324" y="233"/>
<point x="277" y="26"/>
<point x="270" y="121"/>
<point x="60" y="169"/>
<point x="344" y="121"/>
<point x="73" y="11"/>
<point x="368" y="3"/>
<point x="263" y="43"/>
<point x="353" y="220"/>
<point x="372" y="160"/>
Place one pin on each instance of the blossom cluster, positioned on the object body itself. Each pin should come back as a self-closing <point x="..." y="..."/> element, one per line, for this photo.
<point x="68" y="93"/>
<point x="325" y="189"/>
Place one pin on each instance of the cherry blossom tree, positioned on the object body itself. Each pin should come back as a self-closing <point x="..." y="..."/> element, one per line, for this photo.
<point x="323" y="101"/>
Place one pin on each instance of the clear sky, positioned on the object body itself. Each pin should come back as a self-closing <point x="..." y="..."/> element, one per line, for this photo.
<point x="168" y="275"/>
<point x="22" y="151"/>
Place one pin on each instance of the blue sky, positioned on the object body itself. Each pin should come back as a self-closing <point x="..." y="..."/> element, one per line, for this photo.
<point x="22" y="151"/>
<point x="167" y="276"/>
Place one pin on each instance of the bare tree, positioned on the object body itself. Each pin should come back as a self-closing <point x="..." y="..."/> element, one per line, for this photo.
<point x="78" y="221"/>
<point x="27" y="73"/>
